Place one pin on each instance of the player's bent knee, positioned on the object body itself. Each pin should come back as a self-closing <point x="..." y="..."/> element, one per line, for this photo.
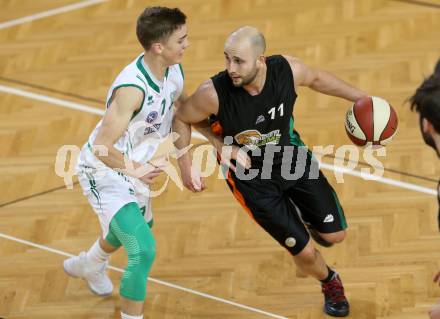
<point x="141" y="252"/>
<point x="334" y="237"/>
<point x="134" y="280"/>
<point x="146" y="257"/>
<point x="307" y="255"/>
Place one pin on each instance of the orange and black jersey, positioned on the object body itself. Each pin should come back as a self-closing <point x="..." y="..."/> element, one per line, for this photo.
<point x="261" y="121"/>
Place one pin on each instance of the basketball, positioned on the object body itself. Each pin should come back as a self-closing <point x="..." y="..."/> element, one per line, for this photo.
<point x="371" y="121"/>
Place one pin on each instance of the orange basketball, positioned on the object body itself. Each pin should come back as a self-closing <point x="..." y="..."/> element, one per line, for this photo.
<point x="371" y="121"/>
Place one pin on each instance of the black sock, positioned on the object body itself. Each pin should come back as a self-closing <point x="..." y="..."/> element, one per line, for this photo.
<point x="331" y="273"/>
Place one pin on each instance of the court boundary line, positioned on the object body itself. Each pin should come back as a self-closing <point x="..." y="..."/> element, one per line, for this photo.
<point x="420" y="3"/>
<point x="157" y="281"/>
<point x="49" y="13"/>
<point x="51" y="100"/>
<point x="18" y="200"/>
<point x="337" y="169"/>
<point x="48" y="89"/>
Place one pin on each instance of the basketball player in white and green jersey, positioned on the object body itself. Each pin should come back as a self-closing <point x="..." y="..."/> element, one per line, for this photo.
<point x="138" y="116"/>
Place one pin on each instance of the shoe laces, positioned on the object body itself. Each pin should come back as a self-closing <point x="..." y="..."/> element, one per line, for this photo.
<point x="334" y="290"/>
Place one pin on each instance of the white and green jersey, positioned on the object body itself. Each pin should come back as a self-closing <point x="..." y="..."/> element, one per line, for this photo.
<point x="151" y="123"/>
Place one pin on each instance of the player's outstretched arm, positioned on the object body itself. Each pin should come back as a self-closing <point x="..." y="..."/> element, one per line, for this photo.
<point x="198" y="107"/>
<point x="204" y="128"/>
<point x="194" y="110"/>
<point x="322" y="81"/>
<point x="114" y="123"/>
<point x="203" y="103"/>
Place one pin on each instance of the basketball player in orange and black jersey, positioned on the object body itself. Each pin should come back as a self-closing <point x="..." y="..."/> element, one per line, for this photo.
<point x="426" y="102"/>
<point x="252" y="103"/>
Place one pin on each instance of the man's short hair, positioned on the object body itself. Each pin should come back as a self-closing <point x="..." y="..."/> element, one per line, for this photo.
<point x="426" y="100"/>
<point x="156" y="24"/>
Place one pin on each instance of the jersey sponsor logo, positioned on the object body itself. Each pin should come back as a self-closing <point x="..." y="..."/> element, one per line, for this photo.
<point x="151" y="117"/>
<point x="260" y="119"/>
<point x="152" y="129"/>
<point x="329" y="219"/>
<point x="254" y="139"/>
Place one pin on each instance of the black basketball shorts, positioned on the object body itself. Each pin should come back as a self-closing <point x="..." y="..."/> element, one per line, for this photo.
<point x="274" y="204"/>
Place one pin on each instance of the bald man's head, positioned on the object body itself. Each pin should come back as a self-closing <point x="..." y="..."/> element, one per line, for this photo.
<point x="244" y="55"/>
<point x="248" y="37"/>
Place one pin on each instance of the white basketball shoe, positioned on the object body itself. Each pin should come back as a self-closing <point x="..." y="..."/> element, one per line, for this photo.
<point x="98" y="281"/>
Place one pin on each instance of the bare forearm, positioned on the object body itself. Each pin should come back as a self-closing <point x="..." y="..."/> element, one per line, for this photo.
<point x="205" y="129"/>
<point x="114" y="159"/>
<point x="183" y="140"/>
<point x="329" y="84"/>
<point x="183" y="131"/>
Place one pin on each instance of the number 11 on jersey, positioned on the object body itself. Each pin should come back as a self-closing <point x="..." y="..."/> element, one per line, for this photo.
<point x="272" y="111"/>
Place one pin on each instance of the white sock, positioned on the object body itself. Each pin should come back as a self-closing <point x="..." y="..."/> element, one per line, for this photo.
<point x="96" y="257"/>
<point x="124" y="316"/>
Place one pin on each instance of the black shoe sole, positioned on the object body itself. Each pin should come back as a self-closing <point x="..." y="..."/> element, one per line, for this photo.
<point x="334" y="313"/>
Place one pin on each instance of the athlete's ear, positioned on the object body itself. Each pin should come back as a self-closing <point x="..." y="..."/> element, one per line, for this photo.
<point x="157" y="48"/>
<point x="426" y="126"/>
<point x="261" y="60"/>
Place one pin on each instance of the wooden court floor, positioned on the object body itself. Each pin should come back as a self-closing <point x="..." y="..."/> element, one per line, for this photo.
<point x="213" y="261"/>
